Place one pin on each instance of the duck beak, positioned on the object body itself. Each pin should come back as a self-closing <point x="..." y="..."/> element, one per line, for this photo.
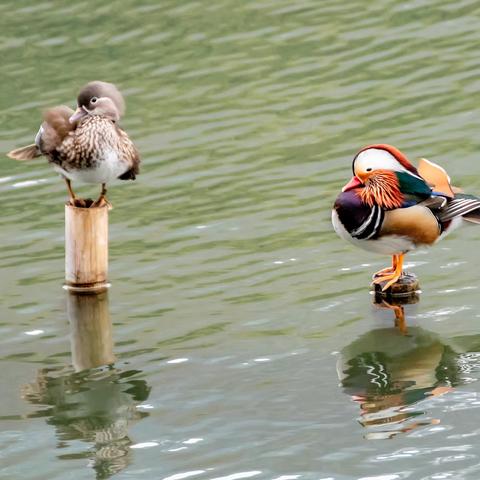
<point x="79" y="113"/>
<point x="355" y="182"/>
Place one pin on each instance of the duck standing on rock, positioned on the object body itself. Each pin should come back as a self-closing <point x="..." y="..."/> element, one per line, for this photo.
<point x="390" y="207"/>
<point x="86" y="145"/>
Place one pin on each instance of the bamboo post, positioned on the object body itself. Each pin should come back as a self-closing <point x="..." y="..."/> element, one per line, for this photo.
<point x="86" y="248"/>
<point x="91" y="330"/>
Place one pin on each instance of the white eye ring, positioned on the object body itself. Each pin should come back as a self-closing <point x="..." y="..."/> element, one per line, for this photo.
<point x="93" y="100"/>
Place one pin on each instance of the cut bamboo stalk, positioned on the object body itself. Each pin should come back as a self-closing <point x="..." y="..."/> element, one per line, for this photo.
<point x="86" y="248"/>
<point x="91" y="330"/>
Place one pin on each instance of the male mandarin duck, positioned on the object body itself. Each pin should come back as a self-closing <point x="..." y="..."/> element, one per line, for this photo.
<point x="390" y="207"/>
<point x="86" y="145"/>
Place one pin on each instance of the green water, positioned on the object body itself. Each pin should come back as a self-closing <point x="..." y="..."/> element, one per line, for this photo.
<point x="246" y="342"/>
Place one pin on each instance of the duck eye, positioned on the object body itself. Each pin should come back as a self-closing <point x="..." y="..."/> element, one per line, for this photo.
<point x="93" y="100"/>
<point x="369" y="169"/>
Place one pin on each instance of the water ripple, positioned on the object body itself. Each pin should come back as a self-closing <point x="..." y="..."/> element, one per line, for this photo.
<point x="230" y="290"/>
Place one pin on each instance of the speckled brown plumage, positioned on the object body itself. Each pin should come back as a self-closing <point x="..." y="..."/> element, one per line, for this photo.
<point x="85" y="147"/>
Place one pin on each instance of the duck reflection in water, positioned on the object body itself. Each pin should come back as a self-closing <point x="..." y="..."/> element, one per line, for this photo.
<point x="388" y="371"/>
<point x="93" y="401"/>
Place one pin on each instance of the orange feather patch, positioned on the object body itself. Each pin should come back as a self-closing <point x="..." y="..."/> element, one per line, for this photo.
<point x="382" y="189"/>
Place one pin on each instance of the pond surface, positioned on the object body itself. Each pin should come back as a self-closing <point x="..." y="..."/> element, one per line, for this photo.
<point x="246" y="343"/>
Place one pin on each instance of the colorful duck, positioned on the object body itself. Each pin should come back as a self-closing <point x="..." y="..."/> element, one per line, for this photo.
<point x="390" y="207"/>
<point x="86" y="145"/>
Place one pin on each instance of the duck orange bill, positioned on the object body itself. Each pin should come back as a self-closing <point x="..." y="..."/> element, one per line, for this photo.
<point x="353" y="183"/>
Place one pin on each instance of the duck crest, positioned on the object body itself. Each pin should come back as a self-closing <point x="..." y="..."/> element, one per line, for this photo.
<point x="382" y="189"/>
<point x="395" y="152"/>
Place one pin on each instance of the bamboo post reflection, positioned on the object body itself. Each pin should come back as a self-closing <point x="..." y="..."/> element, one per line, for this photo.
<point x="94" y="401"/>
<point x="91" y="330"/>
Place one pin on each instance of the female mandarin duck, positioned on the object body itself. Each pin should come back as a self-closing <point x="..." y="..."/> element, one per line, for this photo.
<point x="86" y="145"/>
<point x="390" y="207"/>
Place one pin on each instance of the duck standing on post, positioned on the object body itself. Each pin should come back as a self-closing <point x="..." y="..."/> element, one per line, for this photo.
<point x="390" y="207"/>
<point x="86" y="145"/>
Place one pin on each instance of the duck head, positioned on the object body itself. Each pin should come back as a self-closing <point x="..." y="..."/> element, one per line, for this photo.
<point x="376" y="160"/>
<point x="99" y="98"/>
<point x="383" y="176"/>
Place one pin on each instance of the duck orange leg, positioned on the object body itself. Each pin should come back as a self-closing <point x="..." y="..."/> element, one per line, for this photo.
<point x="393" y="276"/>
<point x="71" y="193"/>
<point x="74" y="201"/>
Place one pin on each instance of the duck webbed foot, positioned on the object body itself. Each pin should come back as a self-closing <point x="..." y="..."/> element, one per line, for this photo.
<point x="386" y="271"/>
<point x="383" y="272"/>
<point x="78" y="202"/>
<point x="101" y="201"/>
<point x="391" y="274"/>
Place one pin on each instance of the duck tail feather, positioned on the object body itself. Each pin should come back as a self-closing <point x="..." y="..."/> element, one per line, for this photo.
<point x="29" y="152"/>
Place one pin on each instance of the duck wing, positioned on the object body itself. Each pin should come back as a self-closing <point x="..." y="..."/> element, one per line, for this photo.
<point x="436" y="176"/>
<point x="55" y="127"/>
<point x="130" y="153"/>
<point x="463" y="205"/>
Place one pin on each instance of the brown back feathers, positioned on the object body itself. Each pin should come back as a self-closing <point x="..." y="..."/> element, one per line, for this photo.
<point x="56" y="126"/>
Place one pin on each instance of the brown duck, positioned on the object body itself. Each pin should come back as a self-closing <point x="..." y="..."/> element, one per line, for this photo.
<point x="86" y="145"/>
